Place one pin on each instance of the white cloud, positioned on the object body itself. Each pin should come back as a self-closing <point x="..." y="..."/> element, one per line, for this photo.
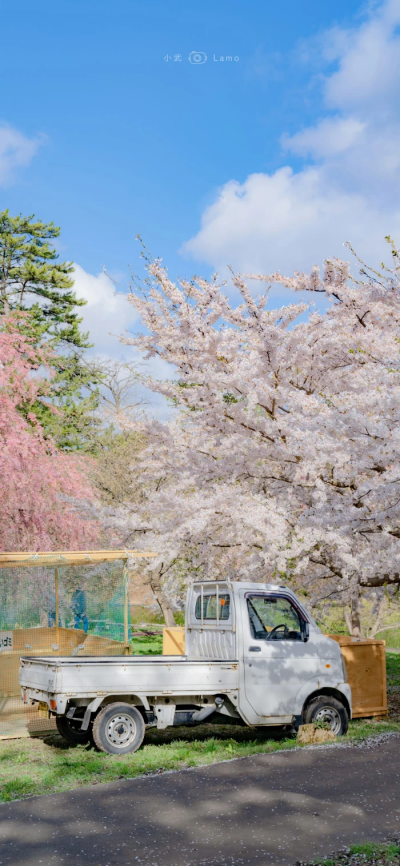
<point x="16" y="151"/>
<point x="107" y="316"/>
<point x="331" y="136"/>
<point x="287" y="221"/>
<point x="107" y="313"/>
<point x="351" y="189"/>
<point x="368" y="76"/>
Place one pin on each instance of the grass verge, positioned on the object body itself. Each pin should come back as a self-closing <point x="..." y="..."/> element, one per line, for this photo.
<point x="29" y="767"/>
<point x="366" y="854"/>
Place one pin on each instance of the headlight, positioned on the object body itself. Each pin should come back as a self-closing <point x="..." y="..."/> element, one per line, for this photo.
<point x="344" y="669"/>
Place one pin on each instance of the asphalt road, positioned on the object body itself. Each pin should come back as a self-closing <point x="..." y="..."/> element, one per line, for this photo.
<point x="268" y="809"/>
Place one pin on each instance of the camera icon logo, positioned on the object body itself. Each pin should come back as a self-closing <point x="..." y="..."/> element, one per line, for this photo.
<point x="197" y="57"/>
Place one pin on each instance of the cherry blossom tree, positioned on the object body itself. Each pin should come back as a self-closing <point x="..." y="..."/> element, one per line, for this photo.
<point x="42" y="490"/>
<point x="283" y="458"/>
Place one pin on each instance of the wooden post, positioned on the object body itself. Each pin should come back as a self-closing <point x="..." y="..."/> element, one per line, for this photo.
<point x="384" y="683"/>
<point x="127" y="647"/>
<point x="57" y="605"/>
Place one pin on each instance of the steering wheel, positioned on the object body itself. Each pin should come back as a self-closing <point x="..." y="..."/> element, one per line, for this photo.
<point x="273" y="630"/>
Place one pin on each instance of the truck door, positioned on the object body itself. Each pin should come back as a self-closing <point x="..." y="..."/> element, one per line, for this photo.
<point x="277" y="659"/>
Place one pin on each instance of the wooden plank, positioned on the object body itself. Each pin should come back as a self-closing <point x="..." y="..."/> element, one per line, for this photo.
<point x="19" y="727"/>
<point x="14" y="736"/>
<point x="126" y="610"/>
<point x="371" y="711"/>
<point x="384" y="682"/>
<point x="366" y="669"/>
<point x="69" y="557"/>
<point x="95" y="645"/>
<point x="26" y="641"/>
<point x="174" y="641"/>
<point x="345" y="640"/>
<point x="18" y="720"/>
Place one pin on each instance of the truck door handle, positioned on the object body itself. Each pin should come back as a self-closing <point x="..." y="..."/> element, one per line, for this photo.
<point x="254" y="649"/>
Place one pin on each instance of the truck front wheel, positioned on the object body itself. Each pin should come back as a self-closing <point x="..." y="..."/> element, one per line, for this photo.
<point x="324" y="708"/>
<point x="118" y="729"/>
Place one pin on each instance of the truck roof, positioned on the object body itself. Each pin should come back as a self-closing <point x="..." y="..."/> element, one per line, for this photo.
<point x="247" y="584"/>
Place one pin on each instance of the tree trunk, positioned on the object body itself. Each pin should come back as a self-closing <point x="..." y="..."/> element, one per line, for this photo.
<point x="155" y="583"/>
<point x="378" y="611"/>
<point x="355" y="610"/>
<point x="347" y="618"/>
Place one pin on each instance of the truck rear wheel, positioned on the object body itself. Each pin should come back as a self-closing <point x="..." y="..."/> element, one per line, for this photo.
<point x="324" y="708"/>
<point x="118" y="729"/>
<point x="70" y="729"/>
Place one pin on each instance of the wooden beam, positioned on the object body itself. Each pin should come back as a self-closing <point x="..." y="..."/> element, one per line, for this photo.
<point x="57" y="603"/>
<point x="69" y="557"/>
<point x="127" y="648"/>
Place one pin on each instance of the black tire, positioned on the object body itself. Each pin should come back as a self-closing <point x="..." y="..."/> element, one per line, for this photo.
<point x="70" y="729"/>
<point x="324" y="708"/>
<point x="118" y="729"/>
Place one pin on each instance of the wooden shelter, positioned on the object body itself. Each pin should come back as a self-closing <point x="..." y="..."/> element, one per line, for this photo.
<point x="55" y="559"/>
<point x="53" y="638"/>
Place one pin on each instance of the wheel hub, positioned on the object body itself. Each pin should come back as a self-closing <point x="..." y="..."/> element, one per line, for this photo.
<point x="121" y="730"/>
<point x="331" y="717"/>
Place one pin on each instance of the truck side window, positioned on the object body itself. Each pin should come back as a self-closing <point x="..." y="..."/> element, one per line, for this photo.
<point x="273" y="618"/>
<point x="210" y="607"/>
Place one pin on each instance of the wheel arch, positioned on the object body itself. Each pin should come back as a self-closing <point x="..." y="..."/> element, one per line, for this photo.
<point x="139" y="701"/>
<point x="331" y="692"/>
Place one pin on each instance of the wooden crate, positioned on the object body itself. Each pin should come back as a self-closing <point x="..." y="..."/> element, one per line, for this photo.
<point x="366" y="670"/>
<point x="17" y="720"/>
<point x="174" y="641"/>
<point x="36" y="642"/>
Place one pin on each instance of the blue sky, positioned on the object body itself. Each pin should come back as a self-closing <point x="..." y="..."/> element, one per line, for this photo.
<point x="269" y="161"/>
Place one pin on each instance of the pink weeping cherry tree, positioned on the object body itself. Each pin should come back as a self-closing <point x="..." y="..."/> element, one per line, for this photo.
<point x="42" y="490"/>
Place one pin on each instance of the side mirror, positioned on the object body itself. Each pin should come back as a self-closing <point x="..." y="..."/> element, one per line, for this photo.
<point x="305" y="631"/>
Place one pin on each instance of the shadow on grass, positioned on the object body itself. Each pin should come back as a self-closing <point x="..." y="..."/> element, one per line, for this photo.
<point x="191" y="734"/>
<point x="200" y="733"/>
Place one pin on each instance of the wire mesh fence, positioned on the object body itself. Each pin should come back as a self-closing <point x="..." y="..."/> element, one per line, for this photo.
<point x="54" y="605"/>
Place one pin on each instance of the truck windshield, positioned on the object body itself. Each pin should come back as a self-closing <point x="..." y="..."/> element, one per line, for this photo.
<point x="273" y="618"/>
<point x="210" y="607"/>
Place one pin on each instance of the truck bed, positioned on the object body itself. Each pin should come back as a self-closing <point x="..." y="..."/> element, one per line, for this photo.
<point x="88" y="676"/>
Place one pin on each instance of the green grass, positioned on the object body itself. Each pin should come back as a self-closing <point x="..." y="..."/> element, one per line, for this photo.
<point x="386" y="853"/>
<point x="393" y="669"/>
<point x="372" y="850"/>
<point x="42" y="766"/>
<point x="30" y="767"/>
<point x="148" y="645"/>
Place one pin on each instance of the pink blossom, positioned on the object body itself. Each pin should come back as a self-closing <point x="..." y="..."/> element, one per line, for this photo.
<point x="41" y="489"/>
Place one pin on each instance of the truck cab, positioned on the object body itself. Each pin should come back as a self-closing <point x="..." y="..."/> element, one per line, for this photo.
<point x="283" y="658"/>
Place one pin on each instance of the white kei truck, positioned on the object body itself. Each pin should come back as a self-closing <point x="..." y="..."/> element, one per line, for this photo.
<point x="254" y="656"/>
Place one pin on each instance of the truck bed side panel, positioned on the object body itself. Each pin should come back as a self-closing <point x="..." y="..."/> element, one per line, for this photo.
<point x="112" y="675"/>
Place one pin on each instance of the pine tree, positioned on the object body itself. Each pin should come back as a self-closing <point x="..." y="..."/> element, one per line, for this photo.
<point x="33" y="280"/>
